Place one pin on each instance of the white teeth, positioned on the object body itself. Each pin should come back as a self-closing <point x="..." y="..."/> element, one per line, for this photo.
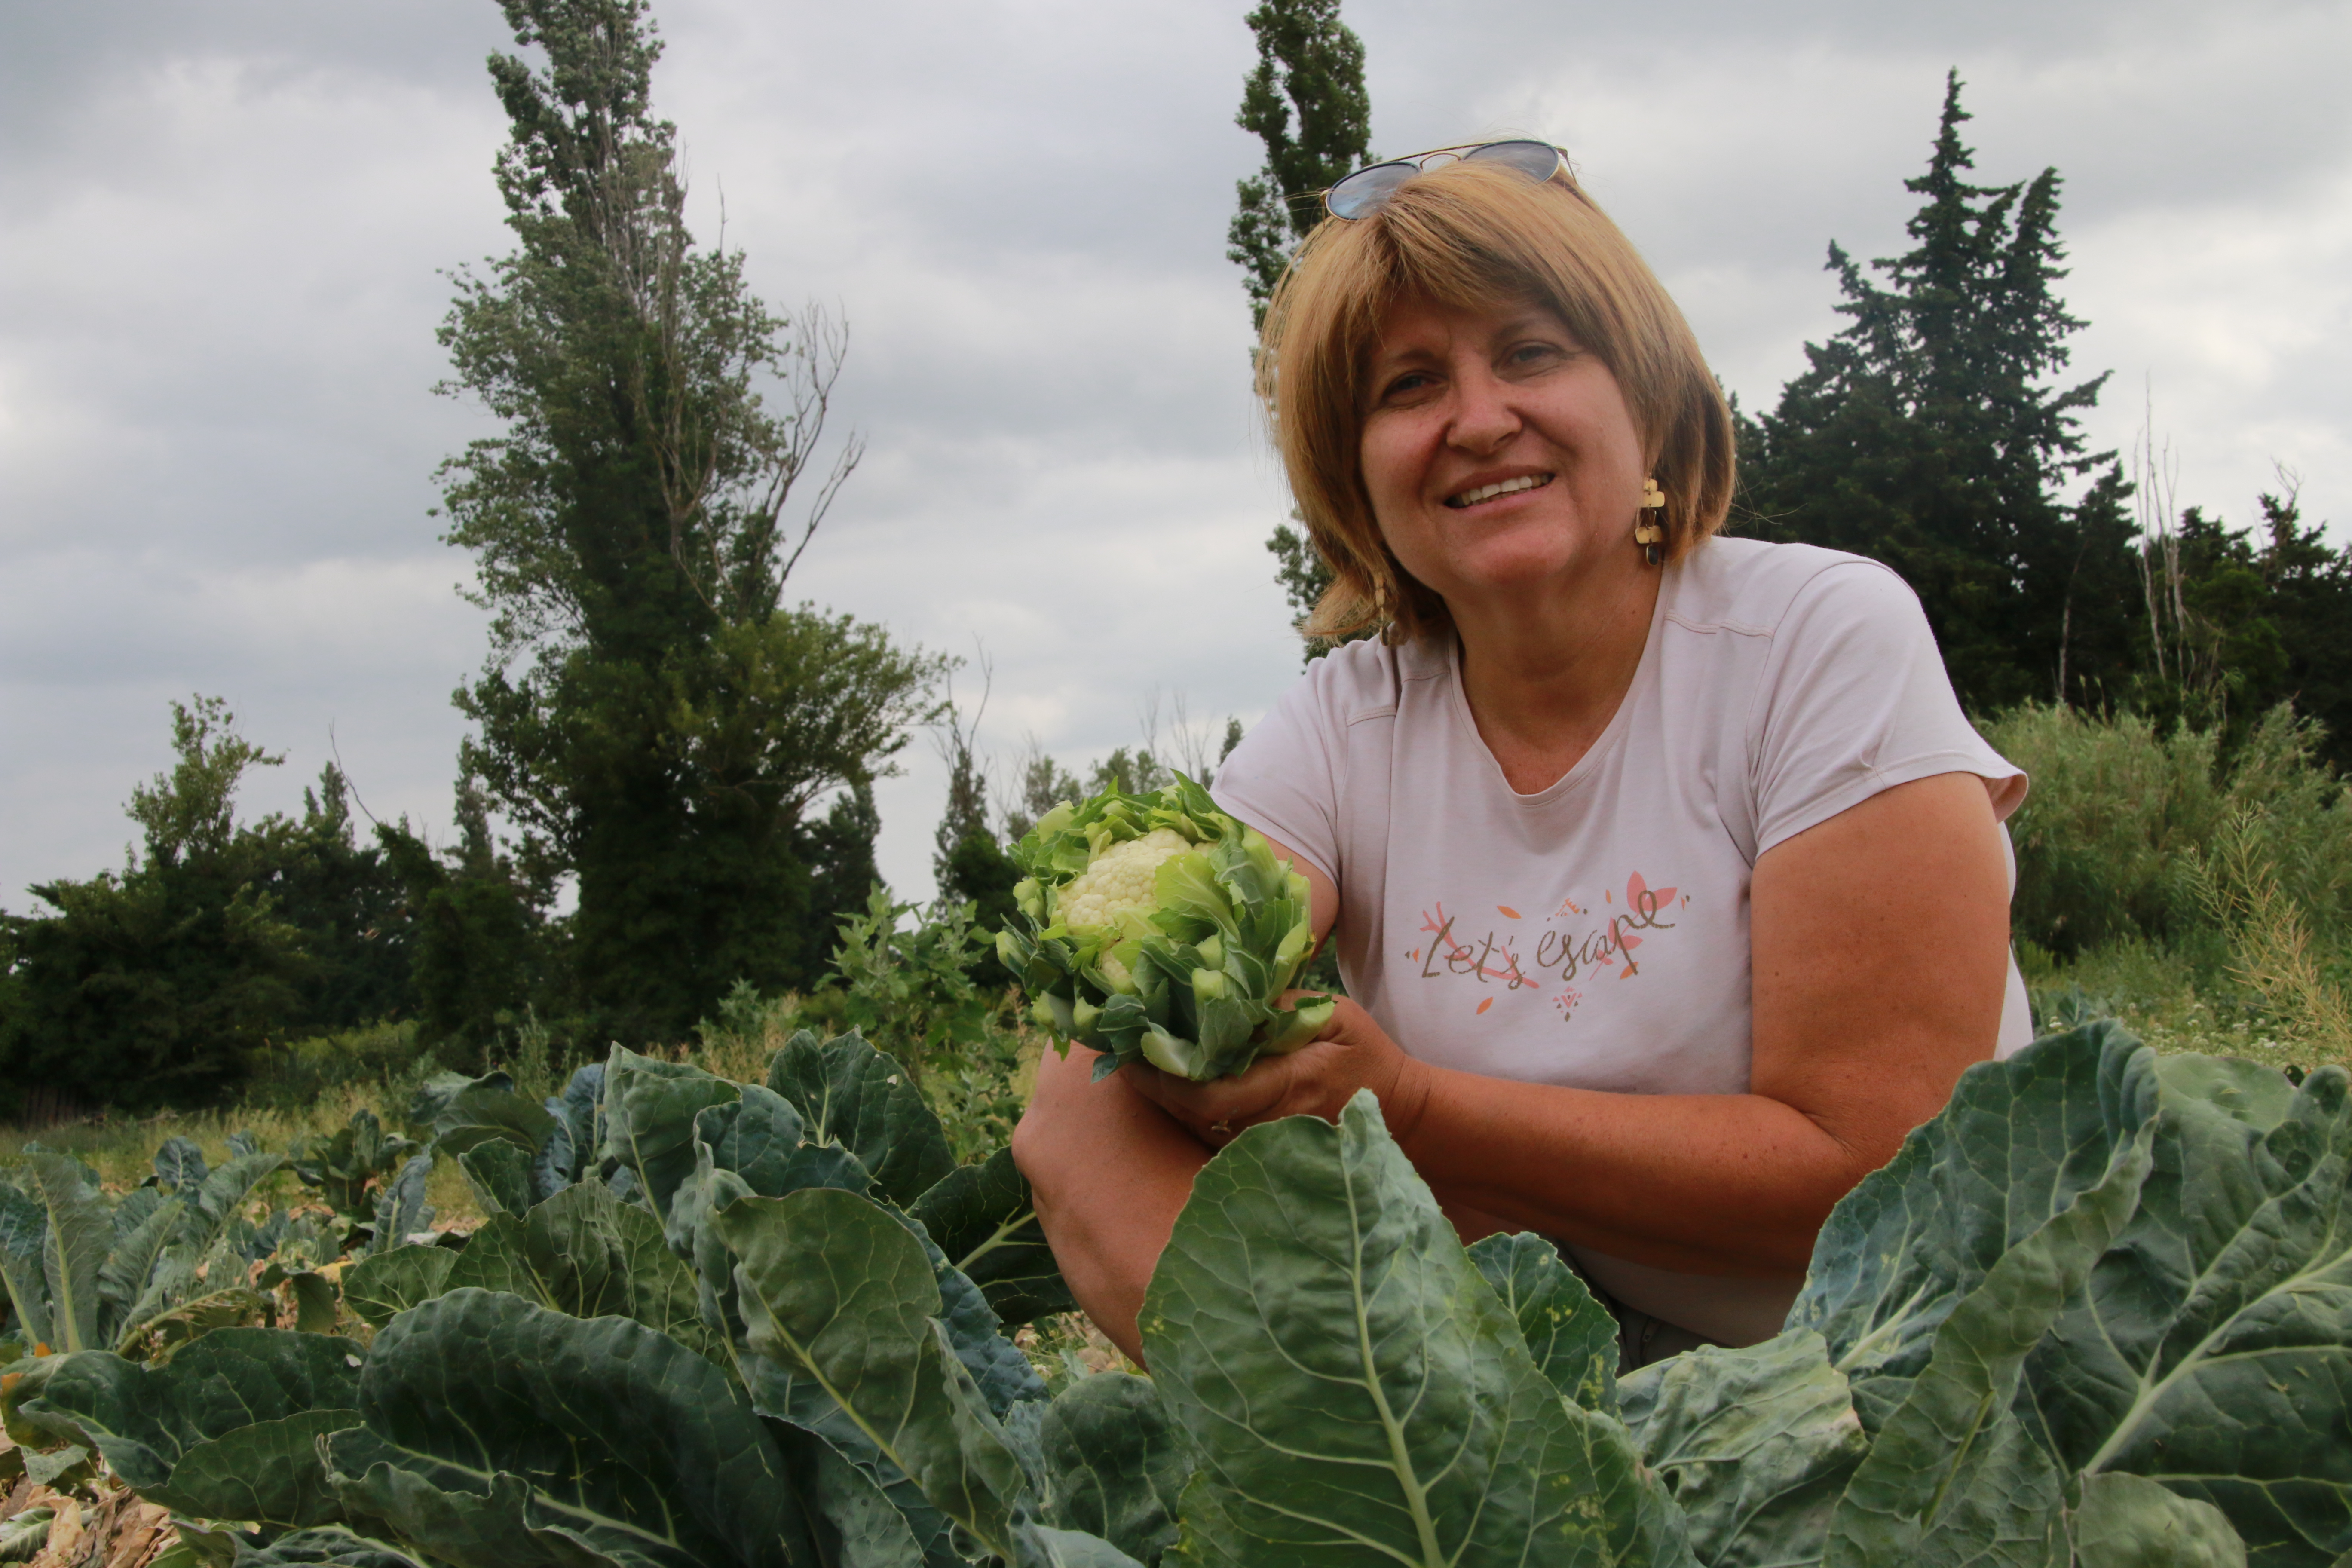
<point x="1504" y="488"/>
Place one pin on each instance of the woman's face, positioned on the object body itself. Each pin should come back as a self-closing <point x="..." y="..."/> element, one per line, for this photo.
<point x="1500" y="457"/>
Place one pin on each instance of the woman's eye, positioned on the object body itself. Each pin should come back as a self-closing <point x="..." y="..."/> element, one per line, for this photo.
<point x="1405" y="385"/>
<point x="1526" y="355"/>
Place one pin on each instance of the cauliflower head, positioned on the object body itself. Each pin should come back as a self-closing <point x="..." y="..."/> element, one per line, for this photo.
<point x="1154" y="927"/>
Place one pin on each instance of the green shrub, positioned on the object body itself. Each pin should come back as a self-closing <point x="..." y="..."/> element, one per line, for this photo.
<point x="297" y="1071"/>
<point x="2104" y="840"/>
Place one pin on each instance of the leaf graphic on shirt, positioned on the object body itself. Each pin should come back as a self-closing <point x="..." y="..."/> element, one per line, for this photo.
<point x="1642" y="898"/>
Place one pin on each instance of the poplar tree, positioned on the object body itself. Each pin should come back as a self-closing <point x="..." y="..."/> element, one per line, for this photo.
<point x="1306" y="101"/>
<point x="1929" y="434"/>
<point x="654" y="720"/>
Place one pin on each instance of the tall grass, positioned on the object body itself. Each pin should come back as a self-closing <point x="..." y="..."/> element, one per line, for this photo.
<point x="2107" y="840"/>
<point x="2205" y="899"/>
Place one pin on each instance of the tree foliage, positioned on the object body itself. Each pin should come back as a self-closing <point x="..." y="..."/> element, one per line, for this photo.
<point x="157" y="984"/>
<point x="2239" y="620"/>
<point x="1927" y="433"/>
<point x="654" y="717"/>
<point x="1306" y="101"/>
<point x="968" y="860"/>
<point x="483" y="948"/>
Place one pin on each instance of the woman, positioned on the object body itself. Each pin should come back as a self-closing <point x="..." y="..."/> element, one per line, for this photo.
<point x="1668" y="879"/>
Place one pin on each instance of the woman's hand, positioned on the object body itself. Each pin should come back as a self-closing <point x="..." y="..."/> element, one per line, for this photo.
<point x="1317" y="1079"/>
<point x="1108" y="1171"/>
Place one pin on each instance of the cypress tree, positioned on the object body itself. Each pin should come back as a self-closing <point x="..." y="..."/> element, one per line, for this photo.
<point x="1926" y="434"/>
<point x="1305" y="102"/>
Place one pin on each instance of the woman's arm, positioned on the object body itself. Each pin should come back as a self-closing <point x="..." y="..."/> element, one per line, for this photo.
<point x="1879" y="941"/>
<point x="1110" y="1170"/>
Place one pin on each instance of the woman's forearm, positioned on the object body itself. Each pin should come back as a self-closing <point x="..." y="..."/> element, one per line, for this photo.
<point x="1109" y="1172"/>
<point x="1714" y="1184"/>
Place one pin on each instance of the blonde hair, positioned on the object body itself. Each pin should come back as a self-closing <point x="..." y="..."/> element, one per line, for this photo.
<point x="1473" y="236"/>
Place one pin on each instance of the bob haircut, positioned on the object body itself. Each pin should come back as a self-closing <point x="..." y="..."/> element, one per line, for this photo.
<point x="1471" y="236"/>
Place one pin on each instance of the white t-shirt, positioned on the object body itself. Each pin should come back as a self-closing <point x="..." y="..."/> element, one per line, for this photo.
<point x="1595" y="935"/>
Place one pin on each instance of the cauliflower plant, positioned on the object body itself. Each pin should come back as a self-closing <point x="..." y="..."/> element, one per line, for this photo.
<point x="1154" y="927"/>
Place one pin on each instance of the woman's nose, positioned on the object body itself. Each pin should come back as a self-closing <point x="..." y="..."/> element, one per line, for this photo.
<point x="1484" y="418"/>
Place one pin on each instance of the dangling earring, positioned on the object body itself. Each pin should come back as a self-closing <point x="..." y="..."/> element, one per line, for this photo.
<point x="1381" y="605"/>
<point x="1648" y="532"/>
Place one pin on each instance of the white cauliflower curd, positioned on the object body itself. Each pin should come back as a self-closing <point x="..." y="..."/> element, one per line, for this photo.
<point x="1121" y="879"/>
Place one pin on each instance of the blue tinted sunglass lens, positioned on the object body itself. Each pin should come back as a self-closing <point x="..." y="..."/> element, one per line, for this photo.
<point x="1366" y="189"/>
<point x="1537" y="160"/>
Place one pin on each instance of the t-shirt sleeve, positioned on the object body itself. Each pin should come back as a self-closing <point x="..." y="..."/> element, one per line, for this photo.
<point x="1854" y="701"/>
<point x="1283" y="779"/>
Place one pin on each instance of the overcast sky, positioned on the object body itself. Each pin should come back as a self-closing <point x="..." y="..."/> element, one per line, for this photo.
<point x="223" y="226"/>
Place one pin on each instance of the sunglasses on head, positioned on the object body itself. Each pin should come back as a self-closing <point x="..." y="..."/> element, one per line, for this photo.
<point x="1367" y="190"/>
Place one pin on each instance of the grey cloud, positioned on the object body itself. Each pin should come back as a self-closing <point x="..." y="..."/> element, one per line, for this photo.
<point x="218" y="291"/>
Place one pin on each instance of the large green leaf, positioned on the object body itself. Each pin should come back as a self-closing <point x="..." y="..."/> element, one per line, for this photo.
<point x="2212" y="1349"/>
<point x="843" y="1293"/>
<point x="459" y="1113"/>
<point x="225" y="1189"/>
<point x="1756" y="1444"/>
<point x="763" y="1145"/>
<point x="24" y="1229"/>
<point x="500" y="1433"/>
<point x="268" y="1472"/>
<point x="1571" y="1335"/>
<point x="23" y="1535"/>
<point x="2017" y="1142"/>
<point x="401" y="1210"/>
<point x="984" y="1219"/>
<point x="180" y="1164"/>
<point x="1953" y="1476"/>
<point x="1112" y="1464"/>
<point x="382" y="1286"/>
<point x="1352" y="1387"/>
<point x="1044" y="1546"/>
<point x="498" y="1173"/>
<point x="124" y="1278"/>
<point x="2130" y="1522"/>
<point x="761" y="1139"/>
<point x="224" y="1429"/>
<point x="587" y="1253"/>
<point x="330" y="1548"/>
<point x="571" y="1150"/>
<point x="751" y="1145"/>
<point x="857" y="1523"/>
<point x="77" y="1234"/>
<point x="650" y="1110"/>
<point x="851" y="1094"/>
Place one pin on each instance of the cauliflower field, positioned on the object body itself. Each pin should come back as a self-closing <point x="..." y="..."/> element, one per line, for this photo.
<point x="2097" y="1312"/>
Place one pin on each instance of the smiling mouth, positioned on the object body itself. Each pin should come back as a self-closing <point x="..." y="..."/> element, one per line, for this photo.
<point x="1500" y="488"/>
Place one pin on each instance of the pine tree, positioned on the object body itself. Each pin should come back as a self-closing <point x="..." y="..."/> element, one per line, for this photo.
<point x="969" y="866"/>
<point x="2245" y="620"/>
<point x="1310" y="73"/>
<point x="157" y="985"/>
<point x="342" y="895"/>
<point x="1926" y="434"/>
<point x="653" y="717"/>
<point x="480" y="947"/>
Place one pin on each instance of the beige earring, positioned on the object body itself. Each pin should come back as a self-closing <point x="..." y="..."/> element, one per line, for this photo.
<point x="1650" y="532"/>
<point x="1381" y="605"/>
